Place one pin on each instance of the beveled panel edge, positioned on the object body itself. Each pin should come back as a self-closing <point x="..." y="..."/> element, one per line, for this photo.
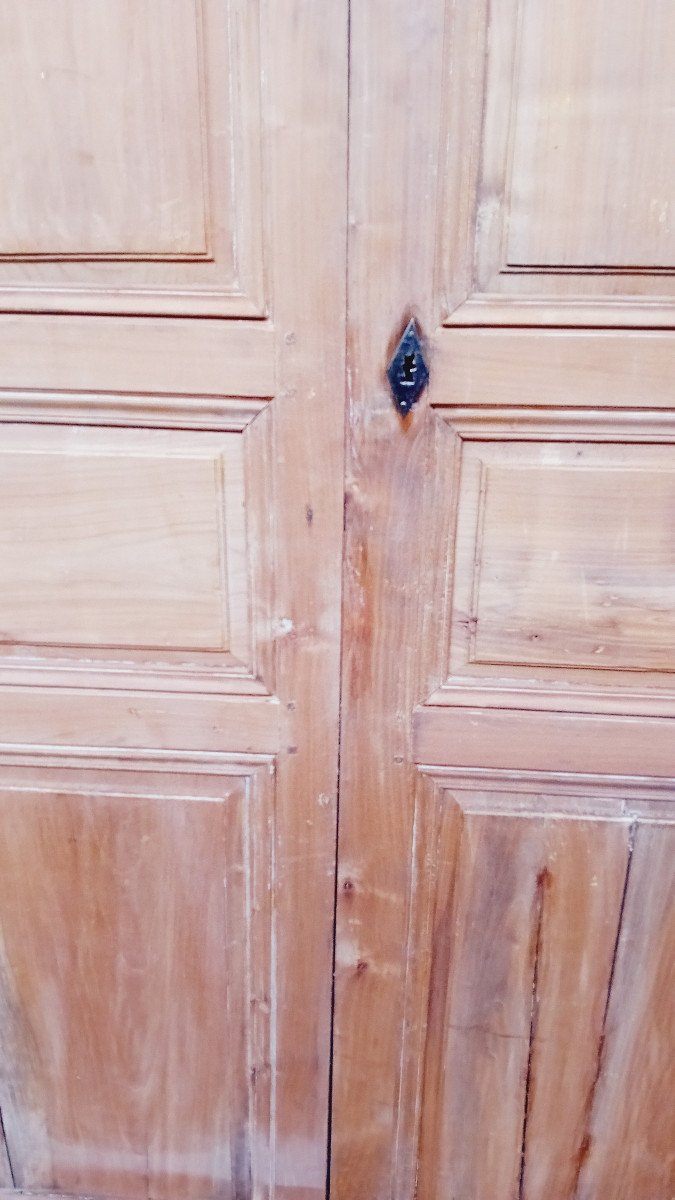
<point x="486" y="308"/>
<point x="567" y="698"/>
<point x="185" y="762"/>
<point x="576" y="791"/>
<point x="551" y="423"/>
<point x="227" y="678"/>
<point x="230" y="303"/>
<point x="222" y="414"/>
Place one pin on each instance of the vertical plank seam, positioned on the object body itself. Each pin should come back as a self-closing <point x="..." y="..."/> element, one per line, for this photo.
<point x="4" y="1143"/>
<point x="584" y="1146"/>
<point x="346" y="447"/>
<point x="534" y="1018"/>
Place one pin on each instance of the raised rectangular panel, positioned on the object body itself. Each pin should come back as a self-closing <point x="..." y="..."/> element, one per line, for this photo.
<point x="109" y="94"/>
<point x="561" y="582"/>
<point x="560" y="210"/>
<point x="132" y="158"/>
<point x="536" y="983"/>
<point x="592" y="105"/>
<point x="125" y="550"/>
<point x="136" y="977"/>
<point x="574" y="559"/>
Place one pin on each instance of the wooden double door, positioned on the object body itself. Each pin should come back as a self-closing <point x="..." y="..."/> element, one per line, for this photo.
<point x="236" y="584"/>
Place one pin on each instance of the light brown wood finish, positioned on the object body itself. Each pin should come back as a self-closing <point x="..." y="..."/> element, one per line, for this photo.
<point x="508" y="742"/>
<point x="392" y="580"/>
<point x="171" y="510"/>
<point x="171" y="530"/>
<point x="556" y="171"/>
<point x="147" y="193"/>
<point x="629" y="1149"/>
<point x="128" y="1040"/>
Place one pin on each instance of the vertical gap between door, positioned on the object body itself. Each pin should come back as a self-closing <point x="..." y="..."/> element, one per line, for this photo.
<point x="331" y="1053"/>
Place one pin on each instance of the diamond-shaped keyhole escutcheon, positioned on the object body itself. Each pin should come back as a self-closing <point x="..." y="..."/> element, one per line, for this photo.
<point x="407" y="372"/>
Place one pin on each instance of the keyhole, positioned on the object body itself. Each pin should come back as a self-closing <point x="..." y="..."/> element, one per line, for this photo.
<point x="409" y="369"/>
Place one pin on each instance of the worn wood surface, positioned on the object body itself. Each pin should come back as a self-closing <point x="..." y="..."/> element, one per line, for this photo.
<point x="531" y="929"/>
<point x="392" y="578"/>
<point x="170" y="593"/>
<point x="142" y="189"/>
<point x="509" y="591"/>
<point x="545" y="107"/>
<point x="630" y="1150"/>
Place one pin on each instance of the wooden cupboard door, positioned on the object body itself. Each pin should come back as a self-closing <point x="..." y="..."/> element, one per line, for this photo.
<point x="504" y="991"/>
<point x="172" y="330"/>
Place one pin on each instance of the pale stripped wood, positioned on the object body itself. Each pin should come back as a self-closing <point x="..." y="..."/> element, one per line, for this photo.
<point x="110" y="104"/>
<point x="630" y="1145"/>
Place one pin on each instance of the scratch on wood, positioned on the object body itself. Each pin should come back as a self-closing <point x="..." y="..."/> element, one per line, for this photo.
<point x="4" y="1145"/>
<point x="543" y="882"/>
<point x="585" y="1143"/>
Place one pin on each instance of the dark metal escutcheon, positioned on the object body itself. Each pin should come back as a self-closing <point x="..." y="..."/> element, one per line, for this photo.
<point x="408" y="373"/>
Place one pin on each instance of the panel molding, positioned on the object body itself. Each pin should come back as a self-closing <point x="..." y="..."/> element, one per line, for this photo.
<point x="527" y="685"/>
<point x="236" y="529"/>
<point x="226" y="275"/>
<point x="444" y="797"/>
<point x="221" y="414"/>
<point x="474" y="282"/>
<point x="180" y="776"/>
